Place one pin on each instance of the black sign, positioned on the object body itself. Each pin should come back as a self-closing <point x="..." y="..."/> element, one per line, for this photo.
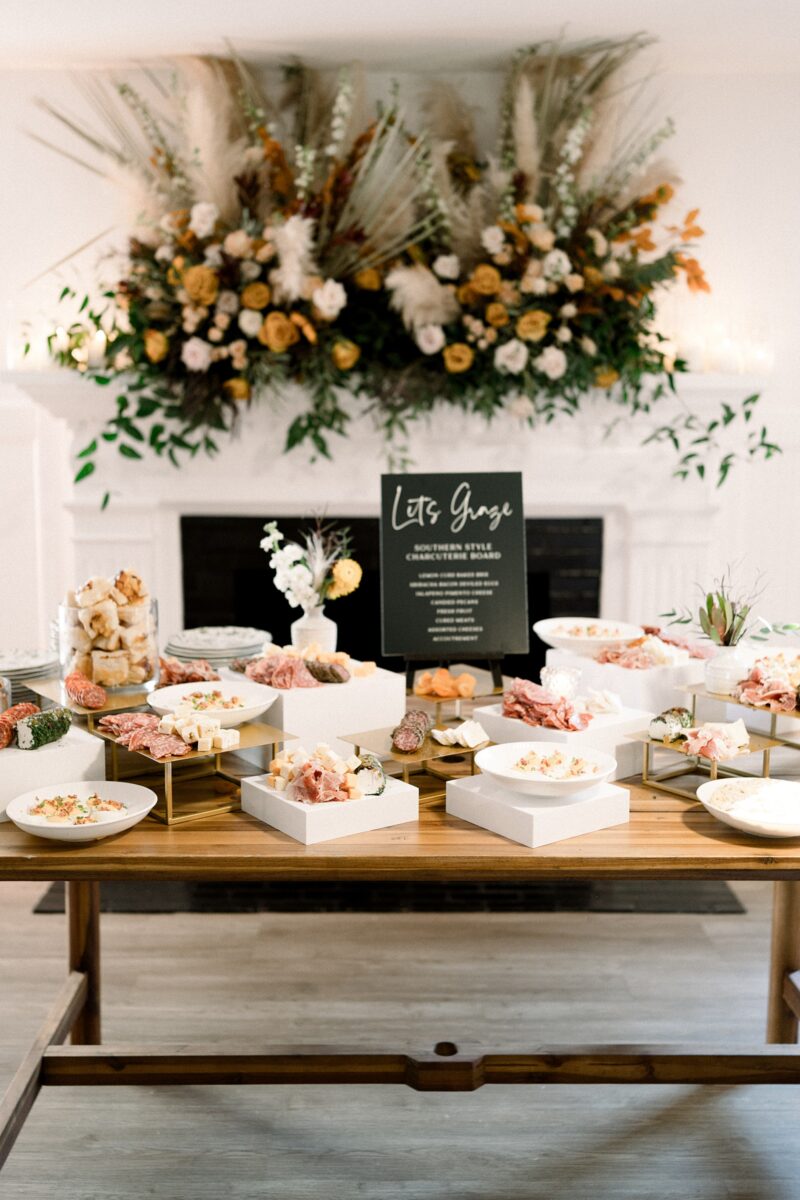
<point x="453" y="566"/>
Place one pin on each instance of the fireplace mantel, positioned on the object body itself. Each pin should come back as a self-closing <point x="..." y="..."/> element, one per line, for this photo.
<point x="653" y="551"/>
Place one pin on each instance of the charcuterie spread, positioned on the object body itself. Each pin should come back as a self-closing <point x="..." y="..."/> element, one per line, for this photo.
<point x="107" y="631"/>
<point x="409" y="736"/>
<point x="713" y="739"/>
<point x="140" y="731"/>
<point x="323" y="777"/>
<point x="69" y="810"/>
<point x="287" y="667"/>
<point x="772" y="683"/>
<point x="530" y="702"/>
<point x="25" y="726"/>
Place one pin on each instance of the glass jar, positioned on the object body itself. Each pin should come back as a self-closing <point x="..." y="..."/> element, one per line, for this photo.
<point x="113" y="645"/>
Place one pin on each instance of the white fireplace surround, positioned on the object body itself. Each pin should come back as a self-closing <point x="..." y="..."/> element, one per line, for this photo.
<point x="654" y="550"/>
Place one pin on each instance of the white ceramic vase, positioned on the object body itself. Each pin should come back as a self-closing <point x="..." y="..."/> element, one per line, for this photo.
<point x="729" y="665"/>
<point x="314" y="627"/>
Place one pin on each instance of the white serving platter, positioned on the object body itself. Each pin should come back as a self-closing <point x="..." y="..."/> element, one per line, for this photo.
<point x="498" y="762"/>
<point x="311" y="823"/>
<point x="528" y="820"/>
<point x="618" y="633"/>
<point x="606" y="731"/>
<point x="138" y="801"/>
<point x="764" y="825"/>
<point x="257" y="699"/>
<point x="653" y="689"/>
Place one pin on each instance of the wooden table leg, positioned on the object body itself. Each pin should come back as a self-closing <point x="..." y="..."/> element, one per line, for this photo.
<point x="83" y="909"/>
<point x="784" y="957"/>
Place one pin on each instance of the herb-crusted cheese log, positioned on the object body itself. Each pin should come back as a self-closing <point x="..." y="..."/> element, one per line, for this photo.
<point x="43" y="727"/>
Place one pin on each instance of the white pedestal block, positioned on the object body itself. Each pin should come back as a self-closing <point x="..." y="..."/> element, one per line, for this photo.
<point x="310" y="823"/>
<point x="323" y="714"/>
<point x="532" y="821"/>
<point x="78" y="755"/>
<point x="606" y="732"/>
<point x="652" y="690"/>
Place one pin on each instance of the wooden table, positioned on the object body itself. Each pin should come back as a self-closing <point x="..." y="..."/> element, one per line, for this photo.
<point x="666" y="838"/>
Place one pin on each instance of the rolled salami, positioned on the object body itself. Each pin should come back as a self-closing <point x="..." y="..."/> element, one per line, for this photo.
<point x="17" y="712"/>
<point x="84" y="692"/>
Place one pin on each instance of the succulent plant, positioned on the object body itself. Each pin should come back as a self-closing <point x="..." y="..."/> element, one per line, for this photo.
<point x="726" y="619"/>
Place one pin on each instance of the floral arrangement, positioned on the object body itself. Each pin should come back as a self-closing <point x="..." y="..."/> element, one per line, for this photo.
<point x="318" y="570"/>
<point x="726" y="617"/>
<point x="299" y="241"/>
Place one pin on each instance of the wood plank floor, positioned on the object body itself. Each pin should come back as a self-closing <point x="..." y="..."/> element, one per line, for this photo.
<point x="412" y="978"/>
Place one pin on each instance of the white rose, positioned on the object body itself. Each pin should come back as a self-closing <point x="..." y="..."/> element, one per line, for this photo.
<point x="196" y="354"/>
<point x="227" y="302"/>
<point x="238" y="244"/>
<point x="168" y="223"/>
<point x="165" y="253"/>
<point x="599" y="242"/>
<point x="492" y="239"/>
<point x="612" y="269"/>
<point x="556" y="265"/>
<point x="447" y="266"/>
<point x="213" y="256"/>
<point x="574" y="283"/>
<point x="520" y="406"/>
<point x="563" y="334"/>
<point x="512" y="357"/>
<point x="250" y="322"/>
<point x="203" y="218"/>
<point x="552" y="362"/>
<point x="329" y="300"/>
<point x="430" y="338"/>
<point x="588" y="346"/>
<point x="566" y="310"/>
<point x="249" y="271"/>
<point x="123" y="360"/>
<point x="222" y="320"/>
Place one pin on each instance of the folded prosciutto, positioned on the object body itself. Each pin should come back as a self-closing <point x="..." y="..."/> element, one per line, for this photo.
<point x="766" y="691"/>
<point x="717" y="740"/>
<point x="281" y="671"/>
<point x="533" y="704"/>
<point x="635" y="656"/>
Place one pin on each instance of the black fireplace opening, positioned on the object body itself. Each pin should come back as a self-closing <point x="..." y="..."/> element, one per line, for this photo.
<point x="227" y="580"/>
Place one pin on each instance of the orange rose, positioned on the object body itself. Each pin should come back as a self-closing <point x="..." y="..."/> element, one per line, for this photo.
<point x="256" y="295"/>
<point x="532" y="326"/>
<point x="345" y="354"/>
<point x="466" y="295"/>
<point x="237" y="389"/>
<point x="369" y="279"/>
<point x="592" y="276"/>
<point x="156" y="345"/>
<point x="458" y="357"/>
<point x="202" y="284"/>
<point x="278" y="333"/>
<point x="497" y="314"/>
<point x="486" y="280"/>
<point x="606" y="377"/>
<point x="174" y="271"/>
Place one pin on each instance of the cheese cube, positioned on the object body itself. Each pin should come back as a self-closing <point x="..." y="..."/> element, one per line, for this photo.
<point x="166" y="724"/>
<point x="204" y="744"/>
<point x="279" y="785"/>
<point x="217" y="743"/>
<point x="231" y="737"/>
<point x="189" y="733"/>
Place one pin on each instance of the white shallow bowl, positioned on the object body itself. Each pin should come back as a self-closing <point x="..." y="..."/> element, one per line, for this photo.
<point x="138" y="801"/>
<point x="587" y="647"/>
<point x="762" y="826"/>
<point x="256" y="696"/>
<point x="498" y="763"/>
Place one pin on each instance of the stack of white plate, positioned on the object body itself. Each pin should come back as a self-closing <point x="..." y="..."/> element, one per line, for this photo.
<point x="218" y="644"/>
<point x="19" y="665"/>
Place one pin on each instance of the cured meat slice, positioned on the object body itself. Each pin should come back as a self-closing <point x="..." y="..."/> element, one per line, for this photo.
<point x="410" y="734"/>
<point x="281" y="671"/>
<point x="18" y="711"/>
<point x="530" y="702"/>
<point x="6" y="733"/>
<point x="81" y="689"/>
<point x="199" y="670"/>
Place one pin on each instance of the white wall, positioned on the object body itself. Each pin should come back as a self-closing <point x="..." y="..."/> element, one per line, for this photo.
<point x="736" y="148"/>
